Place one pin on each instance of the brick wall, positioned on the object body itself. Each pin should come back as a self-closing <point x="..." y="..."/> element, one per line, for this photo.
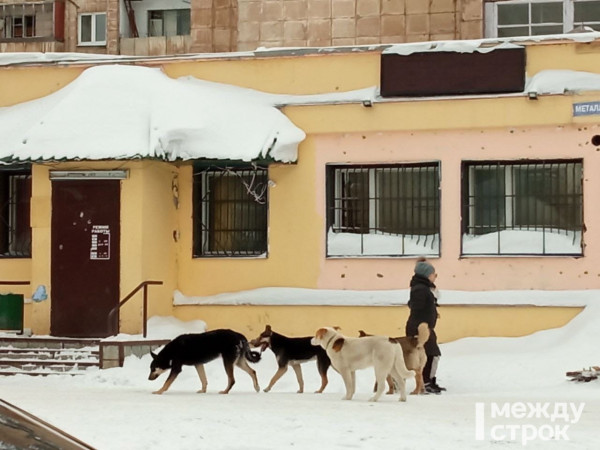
<point x="239" y="25"/>
<point x="286" y="23"/>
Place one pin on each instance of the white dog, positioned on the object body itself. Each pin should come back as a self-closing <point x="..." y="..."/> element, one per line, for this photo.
<point x="349" y="354"/>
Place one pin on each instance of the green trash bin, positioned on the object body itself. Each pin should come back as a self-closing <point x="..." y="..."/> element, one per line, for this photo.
<point x="11" y="312"/>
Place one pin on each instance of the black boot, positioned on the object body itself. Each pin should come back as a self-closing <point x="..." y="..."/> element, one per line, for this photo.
<point x="431" y="388"/>
<point x="435" y="385"/>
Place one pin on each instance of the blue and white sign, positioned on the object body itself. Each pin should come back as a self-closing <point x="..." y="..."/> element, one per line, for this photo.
<point x="586" y="109"/>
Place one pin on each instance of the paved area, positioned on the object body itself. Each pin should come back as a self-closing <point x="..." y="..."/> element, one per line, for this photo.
<point x="22" y="430"/>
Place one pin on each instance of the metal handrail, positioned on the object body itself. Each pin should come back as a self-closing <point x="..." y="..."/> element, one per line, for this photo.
<point x="116" y="309"/>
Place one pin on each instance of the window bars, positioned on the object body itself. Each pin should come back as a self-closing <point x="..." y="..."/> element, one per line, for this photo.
<point x="383" y="210"/>
<point x="544" y="198"/>
<point x="230" y="211"/>
<point x="15" y="228"/>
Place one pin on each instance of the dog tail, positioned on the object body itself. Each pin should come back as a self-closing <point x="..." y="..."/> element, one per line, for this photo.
<point x="423" y="334"/>
<point x="251" y="355"/>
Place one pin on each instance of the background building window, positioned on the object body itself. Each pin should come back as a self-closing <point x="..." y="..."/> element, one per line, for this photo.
<point x="175" y="22"/>
<point x="384" y="210"/>
<point x="92" y="29"/>
<point x="539" y="17"/>
<point x="15" y="227"/>
<point x="230" y="211"/>
<point x="522" y="208"/>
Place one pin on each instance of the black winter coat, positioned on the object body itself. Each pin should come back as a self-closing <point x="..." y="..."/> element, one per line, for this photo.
<point x="423" y="308"/>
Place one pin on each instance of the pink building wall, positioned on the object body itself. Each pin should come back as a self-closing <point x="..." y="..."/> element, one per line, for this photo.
<point x="451" y="147"/>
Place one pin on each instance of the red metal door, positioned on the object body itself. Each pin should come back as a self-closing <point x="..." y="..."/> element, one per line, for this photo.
<point x="85" y="256"/>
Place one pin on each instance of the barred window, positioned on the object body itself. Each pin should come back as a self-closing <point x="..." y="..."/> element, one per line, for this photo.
<point x="522" y="208"/>
<point x="15" y="227"/>
<point x="230" y="211"/>
<point x="383" y="210"/>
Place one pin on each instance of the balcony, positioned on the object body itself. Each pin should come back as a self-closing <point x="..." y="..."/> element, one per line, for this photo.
<point x="155" y="32"/>
<point x="156" y="45"/>
<point x="37" y="26"/>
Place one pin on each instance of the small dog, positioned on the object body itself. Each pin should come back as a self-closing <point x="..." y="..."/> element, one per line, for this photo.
<point x="348" y="354"/>
<point x="198" y="349"/>
<point x="414" y="356"/>
<point x="292" y="351"/>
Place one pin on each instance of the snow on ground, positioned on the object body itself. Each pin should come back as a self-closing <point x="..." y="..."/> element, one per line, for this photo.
<point x="114" y="408"/>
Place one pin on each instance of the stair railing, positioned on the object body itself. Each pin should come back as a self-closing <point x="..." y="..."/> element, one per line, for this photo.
<point x="111" y="322"/>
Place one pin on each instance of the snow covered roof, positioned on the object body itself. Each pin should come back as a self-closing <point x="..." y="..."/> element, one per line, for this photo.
<point x="123" y="112"/>
<point x="487" y="44"/>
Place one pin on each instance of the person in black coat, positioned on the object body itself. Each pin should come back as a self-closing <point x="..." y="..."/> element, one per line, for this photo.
<point x="423" y="308"/>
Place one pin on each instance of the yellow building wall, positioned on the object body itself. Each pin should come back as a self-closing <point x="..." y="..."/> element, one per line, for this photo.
<point x="148" y="250"/>
<point x="148" y="246"/>
<point x="157" y="235"/>
<point x="455" y="322"/>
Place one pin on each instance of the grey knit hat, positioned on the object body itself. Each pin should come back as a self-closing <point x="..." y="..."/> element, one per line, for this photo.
<point x="424" y="269"/>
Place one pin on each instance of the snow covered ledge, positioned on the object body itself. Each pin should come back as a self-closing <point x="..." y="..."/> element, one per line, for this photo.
<point x="299" y="312"/>
<point x="278" y="296"/>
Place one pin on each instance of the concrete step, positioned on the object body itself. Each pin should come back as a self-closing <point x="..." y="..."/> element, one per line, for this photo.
<point x="47" y="356"/>
<point x="46" y="363"/>
<point x="49" y="353"/>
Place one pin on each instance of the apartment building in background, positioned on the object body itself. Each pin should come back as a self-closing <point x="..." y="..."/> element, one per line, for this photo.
<point x="174" y="27"/>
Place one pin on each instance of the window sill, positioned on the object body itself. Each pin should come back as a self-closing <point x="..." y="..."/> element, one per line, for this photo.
<point x="541" y="255"/>
<point x="91" y="44"/>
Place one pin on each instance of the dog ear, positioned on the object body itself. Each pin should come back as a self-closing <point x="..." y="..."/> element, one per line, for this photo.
<point x="338" y="344"/>
<point x="336" y="328"/>
<point x="320" y="333"/>
<point x="361" y="333"/>
<point x="268" y="330"/>
<point x="153" y="355"/>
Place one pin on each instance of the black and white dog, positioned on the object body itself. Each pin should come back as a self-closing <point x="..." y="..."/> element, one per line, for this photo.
<point x="199" y="349"/>
<point x="292" y="351"/>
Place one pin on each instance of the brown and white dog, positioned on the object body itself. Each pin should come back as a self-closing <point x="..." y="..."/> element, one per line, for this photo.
<point x="414" y="356"/>
<point x="348" y="354"/>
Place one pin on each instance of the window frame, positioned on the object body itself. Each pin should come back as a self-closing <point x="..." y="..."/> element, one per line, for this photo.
<point x="92" y="42"/>
<point x="12" y="207"/>
<point x="205" y="210"/>
<point x="513" y="211"/>
<point x="376" y="222"/>
<point x="568" y="6"/>
<point x="161" y="12"/>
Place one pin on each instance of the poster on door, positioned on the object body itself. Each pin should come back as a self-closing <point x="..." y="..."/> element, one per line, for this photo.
<point x="100" y="247"/>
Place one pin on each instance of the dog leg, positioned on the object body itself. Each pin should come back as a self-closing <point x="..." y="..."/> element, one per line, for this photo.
<point x="202" y="375"/>
<point x="172" y="375"/>
<point x="324" y="382"/>
<point x="276" y="377"/>
<point x="420" y="385"/>
<point x="230" y="379"/>
<point x="380" y="376"/>
<point x="298" y="371"/>
<point x="322" y="365"/>
<point x="390" y="382"/>
<point x="347" y="377"/>
<point x="243" y="364"/>
<point x="401" y="382"/>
